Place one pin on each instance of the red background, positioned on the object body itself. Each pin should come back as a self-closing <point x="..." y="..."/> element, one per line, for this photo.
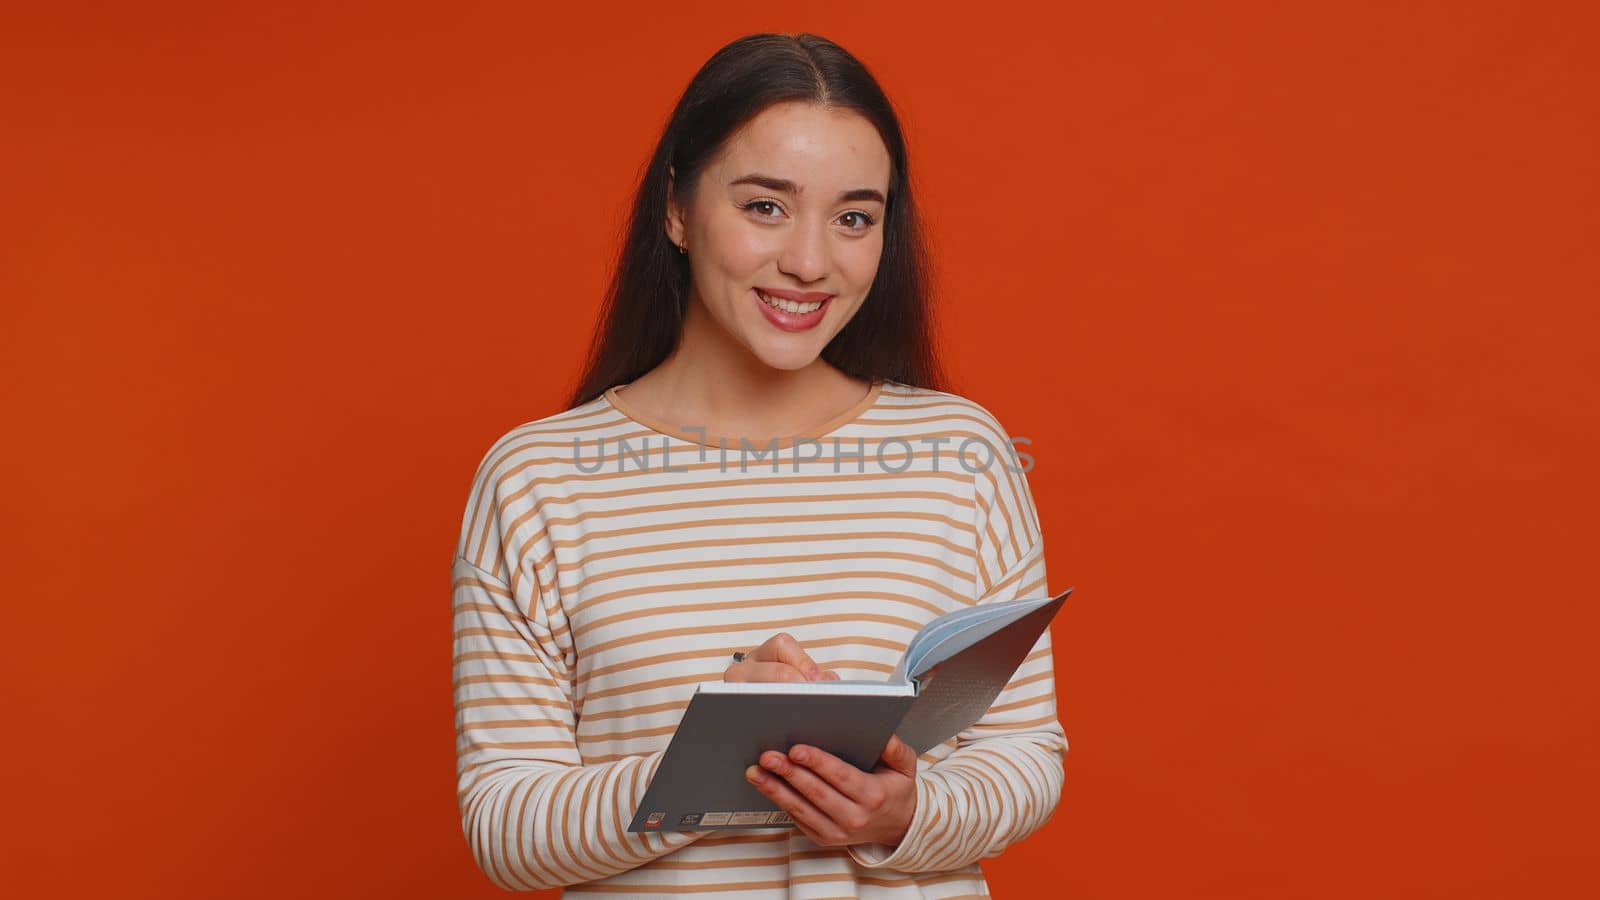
<point x="1296" y="302"/>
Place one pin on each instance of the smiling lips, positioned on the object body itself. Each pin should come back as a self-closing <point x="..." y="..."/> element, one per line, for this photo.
<point x="792" y="310"/>
<point x="793" y="302"/>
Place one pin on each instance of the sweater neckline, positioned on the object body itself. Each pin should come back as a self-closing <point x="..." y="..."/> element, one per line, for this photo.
<point x="694" y="437"/>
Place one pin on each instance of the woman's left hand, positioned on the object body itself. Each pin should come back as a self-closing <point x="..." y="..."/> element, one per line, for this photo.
<point x="836" y="804"/>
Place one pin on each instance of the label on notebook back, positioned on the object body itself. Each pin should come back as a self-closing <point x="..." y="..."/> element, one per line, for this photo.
<point x="743" y="819"/>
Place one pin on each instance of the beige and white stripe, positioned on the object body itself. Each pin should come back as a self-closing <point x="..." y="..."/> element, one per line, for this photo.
<point x="608" y="563"/>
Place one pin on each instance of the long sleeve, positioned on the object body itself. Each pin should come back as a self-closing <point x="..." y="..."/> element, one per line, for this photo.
<point x="1004" y="777"/>
<point x="534" y="815"/>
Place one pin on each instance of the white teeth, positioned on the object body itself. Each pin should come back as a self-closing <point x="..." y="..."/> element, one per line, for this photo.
<point x="788" y="305"/>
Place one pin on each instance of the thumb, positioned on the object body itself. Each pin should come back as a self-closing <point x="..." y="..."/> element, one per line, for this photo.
<point x="900" y="757"/>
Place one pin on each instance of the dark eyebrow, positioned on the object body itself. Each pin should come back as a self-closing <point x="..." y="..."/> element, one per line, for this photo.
<point x="784" y="185"/>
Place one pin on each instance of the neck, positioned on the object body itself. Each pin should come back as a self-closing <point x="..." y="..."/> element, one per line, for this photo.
<point x="710" y="380"/>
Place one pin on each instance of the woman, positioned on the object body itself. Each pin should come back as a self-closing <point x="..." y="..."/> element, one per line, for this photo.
<point x="616" y="554"/>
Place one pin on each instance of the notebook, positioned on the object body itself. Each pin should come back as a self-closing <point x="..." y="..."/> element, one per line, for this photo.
<point x="950" y="674"/>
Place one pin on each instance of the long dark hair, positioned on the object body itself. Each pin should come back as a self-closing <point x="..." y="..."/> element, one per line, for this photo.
<point x="891" y="335"/>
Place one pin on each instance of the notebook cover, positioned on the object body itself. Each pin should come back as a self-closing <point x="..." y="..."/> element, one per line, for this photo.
<point x="700" y="783"/>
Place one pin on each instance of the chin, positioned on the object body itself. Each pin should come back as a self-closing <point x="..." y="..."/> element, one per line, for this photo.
<point x="789" y="355"/>
<point x="789" y="362"/>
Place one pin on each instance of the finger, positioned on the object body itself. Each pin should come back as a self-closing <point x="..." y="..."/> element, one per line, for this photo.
<point x="818" y="839"/>
<point x="830" y="675"/>
<point x="811" y="822"/>
<point x="899" y="756"/>
<point x="783" y="648"/>
<point x="762" y="671"/>
<point x="839" y="808"/>
<point x="844" y="778"/>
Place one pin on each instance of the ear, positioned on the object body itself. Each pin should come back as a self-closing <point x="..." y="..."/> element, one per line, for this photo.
<point x="677" y="230"/>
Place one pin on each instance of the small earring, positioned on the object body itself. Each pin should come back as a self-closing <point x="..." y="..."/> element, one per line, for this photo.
<point x="683" y="249"/>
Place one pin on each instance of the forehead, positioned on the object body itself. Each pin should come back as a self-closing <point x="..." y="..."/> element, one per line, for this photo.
<point x="819" y="149"/>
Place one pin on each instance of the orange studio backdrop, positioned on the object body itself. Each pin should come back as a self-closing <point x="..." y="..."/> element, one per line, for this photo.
<point x="1295" y="302"/>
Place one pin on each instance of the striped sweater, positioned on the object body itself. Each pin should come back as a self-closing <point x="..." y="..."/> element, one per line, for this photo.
<point x="609" y="562"/>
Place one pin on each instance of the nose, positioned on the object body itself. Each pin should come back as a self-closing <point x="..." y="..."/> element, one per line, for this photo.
<point x="805" y="253"/>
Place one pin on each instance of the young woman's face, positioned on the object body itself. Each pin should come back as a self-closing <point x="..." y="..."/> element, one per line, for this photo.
<point x="796" y="205"/>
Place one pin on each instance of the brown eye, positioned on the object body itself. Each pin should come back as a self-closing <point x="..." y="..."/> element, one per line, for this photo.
<point x="758" y="203"/>
<point x="866" y="220"/>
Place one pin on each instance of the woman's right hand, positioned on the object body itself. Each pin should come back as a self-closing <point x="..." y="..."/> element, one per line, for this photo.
<point x="779" y="658"/>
